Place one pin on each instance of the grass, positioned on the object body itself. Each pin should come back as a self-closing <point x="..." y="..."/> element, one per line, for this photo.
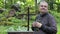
<point x="58" y="28"/>
<point x="5" y="29"/>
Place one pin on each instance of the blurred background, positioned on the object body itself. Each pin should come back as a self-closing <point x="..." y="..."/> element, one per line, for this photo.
<point x="18" y="15"/>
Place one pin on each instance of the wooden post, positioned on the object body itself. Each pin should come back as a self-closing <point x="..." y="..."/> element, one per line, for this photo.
<point x="28" y="19"/>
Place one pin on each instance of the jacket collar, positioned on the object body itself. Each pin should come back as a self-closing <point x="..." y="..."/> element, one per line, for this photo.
<point x="42" y="15"/>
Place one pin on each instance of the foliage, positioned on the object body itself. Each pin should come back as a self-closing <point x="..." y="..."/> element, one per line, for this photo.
<point x="15" y="24"/>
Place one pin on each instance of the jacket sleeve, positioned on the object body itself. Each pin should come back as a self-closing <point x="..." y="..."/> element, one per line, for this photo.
<point x="33" y="28"/>
<point x="50" y="29"/>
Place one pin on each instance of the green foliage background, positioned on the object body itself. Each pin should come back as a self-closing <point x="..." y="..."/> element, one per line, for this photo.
<point x="15" y="24"/>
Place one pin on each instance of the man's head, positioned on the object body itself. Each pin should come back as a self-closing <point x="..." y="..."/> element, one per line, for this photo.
<point x="12" y="12"/>
<point x="43" y="7"/>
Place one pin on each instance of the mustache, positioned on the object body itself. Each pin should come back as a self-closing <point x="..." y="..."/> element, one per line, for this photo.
<point x="43" y="9"/>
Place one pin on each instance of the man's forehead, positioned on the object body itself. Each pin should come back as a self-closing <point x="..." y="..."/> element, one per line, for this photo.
<point x="43" y="3"/>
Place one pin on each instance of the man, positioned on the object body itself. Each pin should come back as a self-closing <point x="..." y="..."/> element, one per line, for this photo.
<point x="11" y="13"/>
<point x="45" y="22"/>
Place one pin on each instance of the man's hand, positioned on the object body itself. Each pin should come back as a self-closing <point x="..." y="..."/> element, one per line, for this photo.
<point x="34" y="24"/>
<point x="37" y="24"/>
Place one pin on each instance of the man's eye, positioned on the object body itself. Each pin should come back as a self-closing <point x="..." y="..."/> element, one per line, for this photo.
<point x="45" y="6"/>
<point x="41" y="6"/>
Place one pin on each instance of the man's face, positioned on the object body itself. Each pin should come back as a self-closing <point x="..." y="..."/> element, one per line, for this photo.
<point x="12" y="13"/>
<point x="43" y="7"/>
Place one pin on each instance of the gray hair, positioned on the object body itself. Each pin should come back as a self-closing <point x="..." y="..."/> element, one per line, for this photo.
<point x="42" y="1"/>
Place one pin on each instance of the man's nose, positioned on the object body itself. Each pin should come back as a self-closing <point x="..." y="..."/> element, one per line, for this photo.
<point x="43" y="7"/>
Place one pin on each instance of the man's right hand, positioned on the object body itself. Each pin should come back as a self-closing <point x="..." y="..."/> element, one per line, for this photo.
<point x="34" y="24"/>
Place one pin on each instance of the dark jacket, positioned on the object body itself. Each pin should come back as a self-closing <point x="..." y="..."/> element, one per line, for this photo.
<point x="49" y="24"/>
